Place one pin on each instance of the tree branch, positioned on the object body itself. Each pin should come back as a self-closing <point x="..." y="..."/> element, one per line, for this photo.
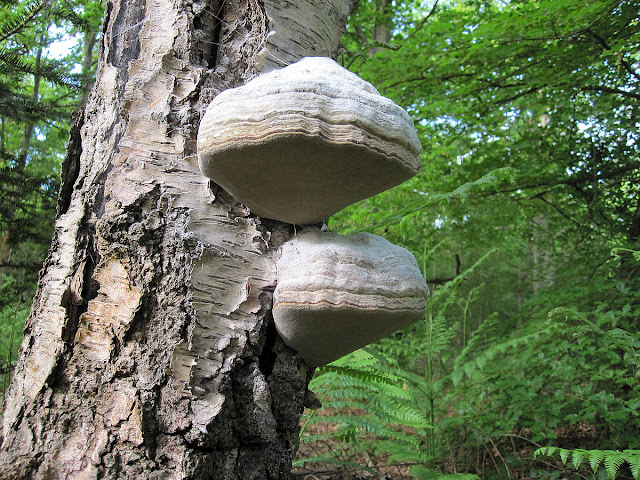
<point x="360" y="33"/>
<point x="616" y="91"/>
<point x="606" y="46"/>
<point x="424" y="20"/>
<point x="576" y="180"/>
<point x="539" y="196"/>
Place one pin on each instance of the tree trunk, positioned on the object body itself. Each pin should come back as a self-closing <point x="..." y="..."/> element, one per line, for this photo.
<point x="381" y="30"/>
<point x="90" y="38"/>
<point x="150" y="351"/>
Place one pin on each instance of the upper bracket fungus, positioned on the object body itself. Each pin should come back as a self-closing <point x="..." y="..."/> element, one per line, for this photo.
<point x="300" y="143"/>
<point x="338" y="293"/>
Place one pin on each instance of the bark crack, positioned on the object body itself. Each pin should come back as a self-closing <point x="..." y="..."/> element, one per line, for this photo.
<point x="71" y="164"/>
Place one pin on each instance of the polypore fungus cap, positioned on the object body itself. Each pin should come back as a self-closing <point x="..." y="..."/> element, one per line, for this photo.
<point x="336" y="293"/>
<point x="300" y="143"/>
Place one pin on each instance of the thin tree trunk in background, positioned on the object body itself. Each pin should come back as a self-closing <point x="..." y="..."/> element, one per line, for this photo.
<point x="523" y="272"/>
<point x="90" y="38"/>
<point x="542" y="264"/>
<point x="629" y="266"/>
<point x="150" y="351"/>
<point x="634" y="230"/>
<point x="35" y="96"/>
<point x="381" y="31"/>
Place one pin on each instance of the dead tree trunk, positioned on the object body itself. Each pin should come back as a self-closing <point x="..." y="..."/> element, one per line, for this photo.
<point x="150" y="351"/>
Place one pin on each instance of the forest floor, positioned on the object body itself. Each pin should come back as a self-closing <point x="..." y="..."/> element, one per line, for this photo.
<point x="342" y="460"/>
<point x="327" y="456"/>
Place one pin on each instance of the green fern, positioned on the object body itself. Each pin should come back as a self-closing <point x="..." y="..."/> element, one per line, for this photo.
<point x="618" y="337"/>
<point x="471" y="367"/>
<point x="611" y="459"/>
<point x="366" y="397"/>
<point x="491" y="179"/>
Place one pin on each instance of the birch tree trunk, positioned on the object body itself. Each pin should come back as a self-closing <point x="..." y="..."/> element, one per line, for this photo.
<point x="150" y="351"/>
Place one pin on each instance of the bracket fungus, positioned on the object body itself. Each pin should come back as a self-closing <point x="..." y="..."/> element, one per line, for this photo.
<point x="338" y="293"/>
<point x="297" y="145"/>
<point x="300" y="143"/>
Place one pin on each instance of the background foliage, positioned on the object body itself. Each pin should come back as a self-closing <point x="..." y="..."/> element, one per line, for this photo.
<point x="525" y="220"/>
<point x="40" y="85"/>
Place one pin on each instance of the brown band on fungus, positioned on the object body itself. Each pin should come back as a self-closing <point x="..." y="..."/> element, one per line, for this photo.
<point x="300" y="143"/>
<point x="338" y="293"/>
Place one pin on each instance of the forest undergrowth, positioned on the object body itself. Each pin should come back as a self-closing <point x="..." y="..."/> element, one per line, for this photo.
<point x="525" y="221"/>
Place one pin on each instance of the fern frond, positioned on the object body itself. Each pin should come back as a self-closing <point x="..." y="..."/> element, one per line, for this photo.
<point x="488" y="333"/>
<point x="549" y="451"/>
<point x="350" y="425"/>
<point x="633" y="459"/>
<point x="358" y="359"/>
<point x="612" y="459"/>
<point x="400" y="452"/>
<point x="595" y="459"/>
<point x="348" y="378"/>
<point x="364" y="376"/>
<point x="363" y="54"/>
<point x="493" y="178"/>
<point x="578" y="457"/>
<point x="612" y="464"/>
<point x="399" y="414"/>
<point x="472" y="366"/>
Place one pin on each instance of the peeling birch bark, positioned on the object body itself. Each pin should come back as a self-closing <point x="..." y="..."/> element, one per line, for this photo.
<point x="150" y="351"/>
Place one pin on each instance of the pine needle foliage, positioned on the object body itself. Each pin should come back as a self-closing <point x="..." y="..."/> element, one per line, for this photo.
<point x="37" y="96"/>
<point x="15" y="21"/>
<point x="22" y="108"/>
<point x="53" y="71"/>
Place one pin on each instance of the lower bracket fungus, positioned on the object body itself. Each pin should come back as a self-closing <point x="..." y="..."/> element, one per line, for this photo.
<point x="337" y="293"/>
<point x="300" y="143"/>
